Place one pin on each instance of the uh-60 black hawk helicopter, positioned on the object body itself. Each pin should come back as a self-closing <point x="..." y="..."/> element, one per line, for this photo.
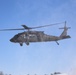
<point x="37" y="36"/>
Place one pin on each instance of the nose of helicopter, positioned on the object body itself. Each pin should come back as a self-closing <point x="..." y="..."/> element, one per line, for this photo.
<point x="12" y="40"/>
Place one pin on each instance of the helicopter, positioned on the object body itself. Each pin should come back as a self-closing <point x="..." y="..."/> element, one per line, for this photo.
<point x="30" y="36"/>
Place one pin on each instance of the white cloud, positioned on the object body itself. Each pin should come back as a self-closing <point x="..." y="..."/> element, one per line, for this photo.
<point x="63" y="74"/>
<point x="72" y="72"/>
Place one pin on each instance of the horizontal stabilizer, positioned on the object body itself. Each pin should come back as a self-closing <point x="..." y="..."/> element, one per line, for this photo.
<point x="66" y="37"/>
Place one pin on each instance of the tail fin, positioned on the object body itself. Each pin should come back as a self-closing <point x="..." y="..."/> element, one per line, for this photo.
<point x="64" y="33"/>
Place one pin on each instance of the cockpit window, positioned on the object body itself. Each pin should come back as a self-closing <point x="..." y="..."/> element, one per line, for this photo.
<point x="16" y="36"/>
<point x="32" y="35"/>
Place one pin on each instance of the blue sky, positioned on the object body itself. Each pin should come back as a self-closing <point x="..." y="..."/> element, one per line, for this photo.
<point x="37" y="58"/>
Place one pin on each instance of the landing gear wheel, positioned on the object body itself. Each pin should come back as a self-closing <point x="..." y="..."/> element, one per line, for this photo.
<point x="21" y="44"/>
<point x="27" y="43"/>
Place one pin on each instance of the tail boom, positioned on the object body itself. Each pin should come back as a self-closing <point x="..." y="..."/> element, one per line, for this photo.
<point x="65" y="37"/>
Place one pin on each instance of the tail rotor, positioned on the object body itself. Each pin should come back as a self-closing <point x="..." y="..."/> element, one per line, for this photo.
<point x="65" y="27"/>
<point x="64" y="33"/>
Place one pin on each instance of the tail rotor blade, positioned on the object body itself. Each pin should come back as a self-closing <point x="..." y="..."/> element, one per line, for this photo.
<point x="65" y="28"/>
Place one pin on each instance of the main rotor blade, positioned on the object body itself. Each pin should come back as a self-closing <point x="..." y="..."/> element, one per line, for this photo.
<point x="28" y="28"/>
<point x="46" y="25"/>
<point x="11" y="29"/>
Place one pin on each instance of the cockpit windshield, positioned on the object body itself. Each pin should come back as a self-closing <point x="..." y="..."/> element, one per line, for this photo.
<point x="16" y="36"/>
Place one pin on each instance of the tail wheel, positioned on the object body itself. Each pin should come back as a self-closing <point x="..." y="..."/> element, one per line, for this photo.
<point x="57" y="43"/>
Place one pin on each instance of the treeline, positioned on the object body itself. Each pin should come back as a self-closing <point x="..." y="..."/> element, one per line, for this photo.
<point x="1" y="73"/>
<point x="55" y="73"/>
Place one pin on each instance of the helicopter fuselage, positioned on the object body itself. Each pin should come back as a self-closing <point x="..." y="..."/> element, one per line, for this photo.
<point x="33" y="36"/>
